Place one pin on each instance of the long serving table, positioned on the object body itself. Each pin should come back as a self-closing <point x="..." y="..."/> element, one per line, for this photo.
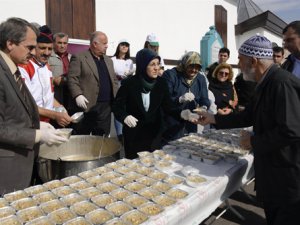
<point x="215" y="156"/>
<point x="223" y="180"/>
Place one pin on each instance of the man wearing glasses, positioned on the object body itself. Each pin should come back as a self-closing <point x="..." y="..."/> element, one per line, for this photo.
<point x="20" y="129"/>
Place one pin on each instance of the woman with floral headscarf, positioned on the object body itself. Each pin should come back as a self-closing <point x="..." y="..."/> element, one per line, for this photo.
<point x="139" y="103"/>
<point x="188" y="90"/>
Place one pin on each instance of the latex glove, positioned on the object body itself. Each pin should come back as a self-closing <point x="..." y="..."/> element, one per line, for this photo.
<point x="185" y="114"/>
<point x="131" y="121"/>
<point x="44" y="125"/>
<point x="187" y="97"/>
<point x="51" y="136"/>
<point x="81" y="101"/>
<point x="188" y="115"/>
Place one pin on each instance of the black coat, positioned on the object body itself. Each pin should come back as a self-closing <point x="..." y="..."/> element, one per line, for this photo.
<point x="275" y="115"/>
<point x="149" y="126"/>
<point x="244" y="89"/>
<point x="223" y="92"/>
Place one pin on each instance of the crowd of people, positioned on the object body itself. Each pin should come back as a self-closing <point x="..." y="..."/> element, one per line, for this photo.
<point x="42" y="85"/>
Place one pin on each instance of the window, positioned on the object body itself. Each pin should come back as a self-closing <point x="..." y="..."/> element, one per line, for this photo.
<point x="74" y="17"/>
<point x="221" y="22"/>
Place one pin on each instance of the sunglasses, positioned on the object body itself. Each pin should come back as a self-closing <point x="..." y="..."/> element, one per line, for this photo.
<point x="223" y="73"/>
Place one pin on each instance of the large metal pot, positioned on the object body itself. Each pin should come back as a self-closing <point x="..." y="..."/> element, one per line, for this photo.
<point x="80" y="153"/>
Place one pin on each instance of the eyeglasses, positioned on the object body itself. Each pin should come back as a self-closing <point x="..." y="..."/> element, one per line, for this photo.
<point x="223" y="73"/>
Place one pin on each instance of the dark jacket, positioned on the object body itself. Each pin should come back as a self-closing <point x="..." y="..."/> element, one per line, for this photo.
<point x="244" y="89"/>
<point x="210" y="70"/>
<point x="274" y="113"/>
<point x="145" y="136"/>
<point x="223" y="92"/>
<point x="83" y="78"/>
<point x="289" y="63"/>
<point x="149" y="125"/>
<point x="19" y="120"/>
<point x="177" y="87"/>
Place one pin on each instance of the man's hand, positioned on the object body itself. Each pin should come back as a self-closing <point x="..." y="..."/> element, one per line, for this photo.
<point x="44" y="125"/>
<point x="245" y="140"/>
<point x="205" y="118"/>
<point x="188" y="115"/>
<point x="51" y="136"/>
<point x="62" y="119"/>
<point x="57" y="80"/>
<point x="81" y="101"/>
<point x="131" y="121"/>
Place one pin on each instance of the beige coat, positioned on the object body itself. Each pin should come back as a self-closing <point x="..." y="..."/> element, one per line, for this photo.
<point x="83" y="78"/>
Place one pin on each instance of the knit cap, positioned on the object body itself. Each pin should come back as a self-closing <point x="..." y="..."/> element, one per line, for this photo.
<point x="258" y="47"/>
<point x="45" y="35"/>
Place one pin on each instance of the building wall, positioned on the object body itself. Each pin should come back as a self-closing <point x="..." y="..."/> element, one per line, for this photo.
<point x="179" y="24"/>
<point x="271" y="36"/>
<point x="30" y="10"/>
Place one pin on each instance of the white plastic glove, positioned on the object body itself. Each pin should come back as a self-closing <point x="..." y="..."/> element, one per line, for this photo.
<point x="81" y="101"/>
<point x="130" y="121"/>
<point x="187" y="97"/>
<point x="188" y="115"/>
<point x="44" y="125"/>
<point x="51" y="136"/>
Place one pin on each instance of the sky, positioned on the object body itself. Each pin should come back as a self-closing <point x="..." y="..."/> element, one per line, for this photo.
<point x="287" y="10"/>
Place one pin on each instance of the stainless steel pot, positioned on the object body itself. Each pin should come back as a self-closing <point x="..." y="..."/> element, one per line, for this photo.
<point x="80" y="153"/>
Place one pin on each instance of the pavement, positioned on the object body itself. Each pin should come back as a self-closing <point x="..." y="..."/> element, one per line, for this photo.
<point x="250" y="209"/>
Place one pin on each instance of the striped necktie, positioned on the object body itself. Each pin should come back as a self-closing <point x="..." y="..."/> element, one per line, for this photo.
<point x="20" y="83"/>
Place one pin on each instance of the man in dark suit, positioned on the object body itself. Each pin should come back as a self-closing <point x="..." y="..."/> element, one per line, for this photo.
<point x="20" y="129"/>
<point x="291" y="41"/>
<point x="274" y="113"/>
<point x="93" y="84"/>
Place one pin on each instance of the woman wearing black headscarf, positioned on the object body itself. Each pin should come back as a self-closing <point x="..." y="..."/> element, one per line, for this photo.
<point x="139" y="102"/>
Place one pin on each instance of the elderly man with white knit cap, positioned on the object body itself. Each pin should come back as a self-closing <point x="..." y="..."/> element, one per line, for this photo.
<point x="274" y="114"/>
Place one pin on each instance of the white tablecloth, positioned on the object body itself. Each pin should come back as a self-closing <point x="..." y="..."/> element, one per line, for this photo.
<point x="223" y="180"/>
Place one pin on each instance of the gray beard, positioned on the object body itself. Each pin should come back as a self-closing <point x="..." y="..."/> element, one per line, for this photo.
<point x="249" y="75"/>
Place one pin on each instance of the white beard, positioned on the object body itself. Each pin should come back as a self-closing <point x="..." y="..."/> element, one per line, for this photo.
<point x="249" y="75"/>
